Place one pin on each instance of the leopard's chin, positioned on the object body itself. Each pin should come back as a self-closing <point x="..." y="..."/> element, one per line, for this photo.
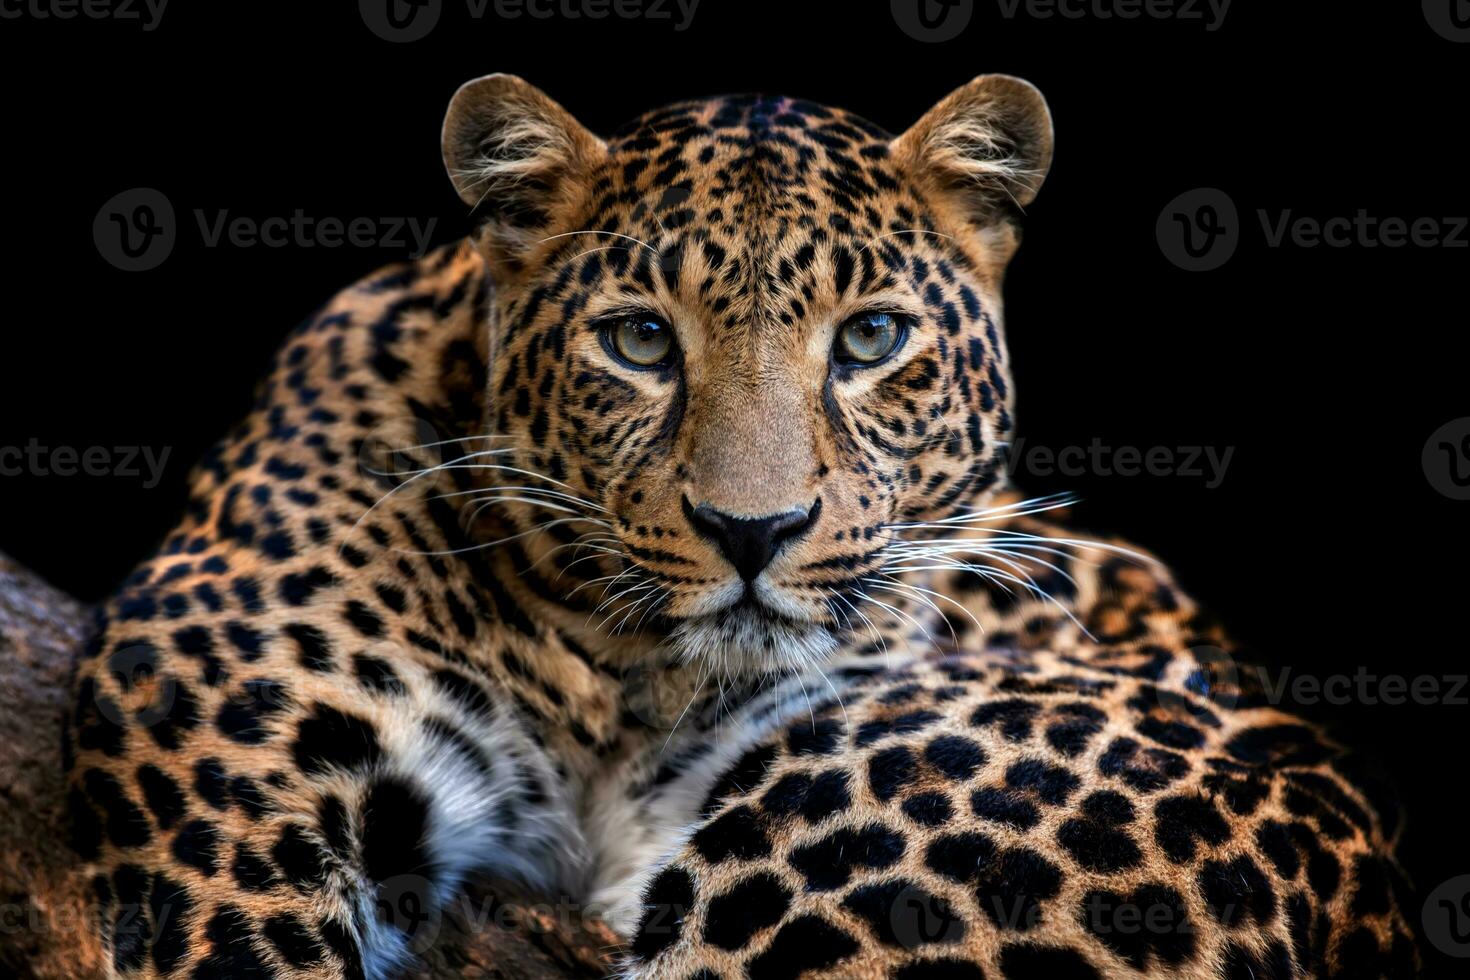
<point x="748" y="640"/>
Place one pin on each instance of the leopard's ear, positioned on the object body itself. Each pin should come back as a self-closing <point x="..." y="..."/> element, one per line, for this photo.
<point x="517" y="158"/>
<point x="984" y="149"/>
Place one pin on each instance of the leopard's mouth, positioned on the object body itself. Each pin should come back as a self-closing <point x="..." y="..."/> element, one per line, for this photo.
<point x="751" y="604"/>
<point x="750" y="636"/>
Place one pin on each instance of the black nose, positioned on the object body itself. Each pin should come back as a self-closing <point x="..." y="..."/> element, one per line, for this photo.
<point x="750" y="542"/>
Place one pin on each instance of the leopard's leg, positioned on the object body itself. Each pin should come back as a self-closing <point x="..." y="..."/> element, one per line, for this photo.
<point x="296" y="823"/>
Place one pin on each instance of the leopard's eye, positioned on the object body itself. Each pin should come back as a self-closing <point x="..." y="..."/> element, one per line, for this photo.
<point x="642" y="340"/>
<point x="868" y="338"/>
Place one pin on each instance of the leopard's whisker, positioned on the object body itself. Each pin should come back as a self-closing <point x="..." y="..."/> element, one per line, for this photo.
<point x="1019" y="508"/>
<point x="604" y="248"/>
<point x="877" y="636"/>
<point x="901" y="616"/>
<point x="447" y="442"/>
<point x="642" y="585"/>
<point x="578" y="546"/>
<point x="611" y="580"/>
<point x="485" y="492"/>
<point x="665" y="594"/>
<point x="595" y="231"/>
<point x="460" y="465"/>
<point x="835" y="610"/>
<point x="491" y="544"/>
<point x="634" y="606"/>
<point x="1023" y="579"/>
<point x="594" y="557"/>
<point x="599" y="543"/>
<point x="437" y="467"/>
<point x="1011" y="560"/>
<point x="836" y="694"/>
<point x="647" y="589"/>
<point x="1004" y="555"/>
<point x="1028" y="542"/>
<point x="903" y="231"/>
<point x="914" y="592"/>
<point x="698" y="690"/>
<point x="421" y="474"/>
<point x="639" y="585"/>
<point x="937" y="595"/>
<point x="490" y="500"/>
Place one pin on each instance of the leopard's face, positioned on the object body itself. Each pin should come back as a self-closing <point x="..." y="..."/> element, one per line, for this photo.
<point x="741" y="343"/>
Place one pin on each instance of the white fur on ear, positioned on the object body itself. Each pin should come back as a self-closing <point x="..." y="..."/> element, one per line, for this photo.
<point x="988" y="144"/>
<point x="514" y="154"/>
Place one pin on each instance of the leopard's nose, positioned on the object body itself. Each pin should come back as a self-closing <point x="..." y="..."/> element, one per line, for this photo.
<point x="750" y="543"/>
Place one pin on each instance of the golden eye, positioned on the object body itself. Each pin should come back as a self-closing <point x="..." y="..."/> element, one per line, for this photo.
<point x="642" y="340"/>
<point x="868" y="338"/>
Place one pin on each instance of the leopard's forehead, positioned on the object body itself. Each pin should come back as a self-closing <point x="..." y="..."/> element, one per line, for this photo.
<point x="741" y="120"/>
<point x="761" y="156"/>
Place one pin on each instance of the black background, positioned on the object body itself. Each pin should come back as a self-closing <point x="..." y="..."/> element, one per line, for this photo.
<point x="1325" y="547"/>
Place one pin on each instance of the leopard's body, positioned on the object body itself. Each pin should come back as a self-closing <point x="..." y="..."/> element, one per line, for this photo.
<point x="444" y="605"/>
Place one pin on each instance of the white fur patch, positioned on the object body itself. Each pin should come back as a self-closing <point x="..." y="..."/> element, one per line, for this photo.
<point x="467" y="831"/>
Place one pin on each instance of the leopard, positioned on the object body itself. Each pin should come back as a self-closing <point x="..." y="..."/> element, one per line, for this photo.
<point x="653" y="548"/>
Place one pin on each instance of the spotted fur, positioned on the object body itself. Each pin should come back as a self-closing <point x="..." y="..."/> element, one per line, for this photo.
<point x="443" y="605"/>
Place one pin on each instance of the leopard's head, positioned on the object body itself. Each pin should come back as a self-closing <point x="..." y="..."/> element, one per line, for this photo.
<point x="739" y="341"/>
